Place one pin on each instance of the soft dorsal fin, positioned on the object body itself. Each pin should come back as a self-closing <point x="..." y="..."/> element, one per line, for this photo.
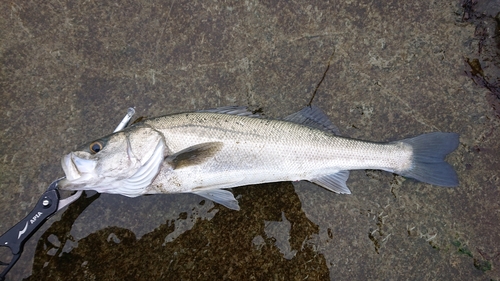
<point x="334" y="182"/>
<point x="221" y="196"/>
<point x="312" y="116"/>
<point x="193" y="155"/>
<point x="233" y="110"/>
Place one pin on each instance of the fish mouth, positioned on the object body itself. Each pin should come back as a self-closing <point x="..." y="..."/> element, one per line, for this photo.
<point x="74" y="166"/>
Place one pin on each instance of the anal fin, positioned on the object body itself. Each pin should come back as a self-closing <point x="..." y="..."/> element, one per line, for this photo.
<point x="334" y="182"/>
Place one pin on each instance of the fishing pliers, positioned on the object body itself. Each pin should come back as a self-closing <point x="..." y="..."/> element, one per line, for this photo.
<point x="47" y="205"/>
<point x="16" y="237"/>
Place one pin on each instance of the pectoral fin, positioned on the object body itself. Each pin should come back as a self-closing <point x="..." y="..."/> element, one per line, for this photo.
<point x="335" y="182"/>
<point x="193" y="155"/>
<point x="221" y="196"/>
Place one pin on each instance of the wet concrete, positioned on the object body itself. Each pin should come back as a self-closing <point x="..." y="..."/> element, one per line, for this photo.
<point x="70" y="69"/>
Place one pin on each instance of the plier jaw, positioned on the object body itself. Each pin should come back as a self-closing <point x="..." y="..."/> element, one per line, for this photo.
<point x="15" y="238"/>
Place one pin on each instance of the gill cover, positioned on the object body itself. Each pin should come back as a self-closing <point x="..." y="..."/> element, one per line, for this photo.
<point x="127" y="163"/>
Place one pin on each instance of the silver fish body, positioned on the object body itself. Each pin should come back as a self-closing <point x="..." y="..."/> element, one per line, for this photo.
<point x="207" y="152"/>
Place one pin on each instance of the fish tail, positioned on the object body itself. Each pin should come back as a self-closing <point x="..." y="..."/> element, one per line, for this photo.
<point x="429" y="152"/>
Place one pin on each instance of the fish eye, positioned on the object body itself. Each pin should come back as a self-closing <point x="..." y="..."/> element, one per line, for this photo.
<point x="95" y="147"/>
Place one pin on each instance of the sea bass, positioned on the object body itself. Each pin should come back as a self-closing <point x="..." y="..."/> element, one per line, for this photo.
<point x="208" y="151"/>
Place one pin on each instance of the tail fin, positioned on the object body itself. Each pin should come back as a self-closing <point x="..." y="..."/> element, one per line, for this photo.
<point x="429" y="151"/>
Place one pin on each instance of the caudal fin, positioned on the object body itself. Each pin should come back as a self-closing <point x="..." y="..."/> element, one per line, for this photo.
<point x="429" y="151"/>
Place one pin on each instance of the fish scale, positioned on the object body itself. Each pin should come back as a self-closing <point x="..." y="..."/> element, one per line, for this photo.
<point x="278" y="139"/>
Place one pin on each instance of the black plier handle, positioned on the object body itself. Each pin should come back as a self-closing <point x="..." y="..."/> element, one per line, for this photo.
<point x="16" y="236"/>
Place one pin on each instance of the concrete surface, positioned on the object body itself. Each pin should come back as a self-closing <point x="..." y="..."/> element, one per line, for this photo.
<point x="70" y="69"/>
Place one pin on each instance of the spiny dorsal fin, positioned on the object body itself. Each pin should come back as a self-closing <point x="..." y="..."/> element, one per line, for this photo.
<point x="233" y="110"/>
<point x="313" y="117"/>
<point x="193" y="155"/>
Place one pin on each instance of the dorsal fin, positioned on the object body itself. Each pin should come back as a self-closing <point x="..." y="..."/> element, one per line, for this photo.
<point x="233" y="110"/>
<point x="312" y="116"/>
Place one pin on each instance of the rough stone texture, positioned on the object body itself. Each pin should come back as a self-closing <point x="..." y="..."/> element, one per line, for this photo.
<point x="70" y="69"/>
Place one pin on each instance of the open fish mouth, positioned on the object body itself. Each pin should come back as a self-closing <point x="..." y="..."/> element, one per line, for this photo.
<point x="74" y="166"/>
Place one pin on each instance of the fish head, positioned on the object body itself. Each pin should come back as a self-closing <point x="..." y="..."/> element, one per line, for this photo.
<point x="124" y="163"/>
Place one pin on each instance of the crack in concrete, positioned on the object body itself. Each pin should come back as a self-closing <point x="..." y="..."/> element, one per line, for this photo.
<point x="322" y="78"/>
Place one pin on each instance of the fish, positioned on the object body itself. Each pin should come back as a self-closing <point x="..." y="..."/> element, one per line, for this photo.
<point x="209" y="151"/>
